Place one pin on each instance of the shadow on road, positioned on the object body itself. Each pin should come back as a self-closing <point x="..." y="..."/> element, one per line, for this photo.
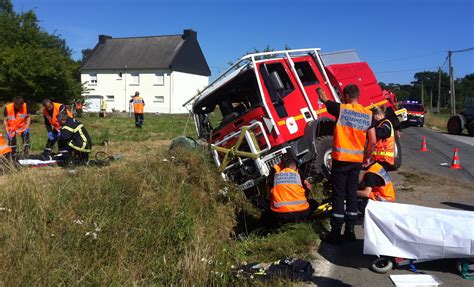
<point x="459" y="205"/>
<point x="329" y="282"/>
<point x="347" y="254"/>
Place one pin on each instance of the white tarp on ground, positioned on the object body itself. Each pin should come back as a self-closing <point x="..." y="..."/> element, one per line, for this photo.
<point x="417" y="232"/>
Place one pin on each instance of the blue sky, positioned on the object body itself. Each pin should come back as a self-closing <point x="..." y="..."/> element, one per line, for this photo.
<point x="397" y="38"/>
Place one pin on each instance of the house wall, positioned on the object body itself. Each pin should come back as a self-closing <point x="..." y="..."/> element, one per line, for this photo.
<point x="185" y="86"/>
<point x="165" y="96"/>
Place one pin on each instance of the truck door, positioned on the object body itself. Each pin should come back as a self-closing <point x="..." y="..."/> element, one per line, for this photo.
<point x="284" y="98"/>
<point x="312" y="79"/>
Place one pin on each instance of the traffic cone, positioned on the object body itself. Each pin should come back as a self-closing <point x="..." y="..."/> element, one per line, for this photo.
<point x="455" y="164"/>
<point x="423" y="145"/>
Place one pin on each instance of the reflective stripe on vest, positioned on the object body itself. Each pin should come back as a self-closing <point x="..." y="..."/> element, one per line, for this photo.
<point x="288" y="194"/>
<point x="386" y="192"/>
<point x="16" y="122"/>
<point x="78" y="129"/>
<point x="350" y="133"/>
<point x="4" y="148"/>
<point x="385" y="148"/>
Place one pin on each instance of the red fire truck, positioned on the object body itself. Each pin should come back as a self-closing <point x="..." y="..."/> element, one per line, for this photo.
<point x="266" y="105"/>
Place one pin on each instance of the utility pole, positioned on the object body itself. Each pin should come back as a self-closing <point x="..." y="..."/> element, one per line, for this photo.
<point x="431" y="100"/>
<point x="439" y="91"/>
<point x="451" y="84"/>
<point x="422" y="93"/>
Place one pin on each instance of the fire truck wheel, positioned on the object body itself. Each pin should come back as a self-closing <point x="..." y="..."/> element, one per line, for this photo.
<point x="398" y="154"/>
<point x="454" y="125"/>
<point x="470" y="129"/>
<point x="324" y="149"/>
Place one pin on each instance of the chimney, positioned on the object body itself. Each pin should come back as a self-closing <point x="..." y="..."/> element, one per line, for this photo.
<point x="189" y="34"/>
<point x="103" y="38"/>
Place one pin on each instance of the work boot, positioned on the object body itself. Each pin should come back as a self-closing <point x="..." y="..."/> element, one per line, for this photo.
<point x="349" y="234"/>
<point x="334" y="237"/>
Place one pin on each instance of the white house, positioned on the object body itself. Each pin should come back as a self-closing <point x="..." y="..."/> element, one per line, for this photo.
<point x="166" y="70"/>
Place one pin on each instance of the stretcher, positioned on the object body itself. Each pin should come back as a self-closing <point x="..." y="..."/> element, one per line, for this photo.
<point x="405" y="234"/>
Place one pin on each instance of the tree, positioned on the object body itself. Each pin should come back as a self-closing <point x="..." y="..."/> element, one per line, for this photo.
<point x="33" y="63"/>
<point x="430" y="84"/>
<point x="85" y="54"/>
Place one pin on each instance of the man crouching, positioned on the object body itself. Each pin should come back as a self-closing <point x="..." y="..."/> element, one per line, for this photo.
<point x="288" y="196"/>
<point x="74" y="141"/>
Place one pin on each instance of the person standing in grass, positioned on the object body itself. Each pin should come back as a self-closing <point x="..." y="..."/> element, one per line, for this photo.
<point x="17" y="123"/>
<point x="103" y="107"/>
<point x="138" y="109"/>
<point x="51" y="111"/>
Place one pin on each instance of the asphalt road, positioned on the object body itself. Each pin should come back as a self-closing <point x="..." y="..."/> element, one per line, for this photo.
<point x="439" y="157"/>
<point x="438" y="186"/>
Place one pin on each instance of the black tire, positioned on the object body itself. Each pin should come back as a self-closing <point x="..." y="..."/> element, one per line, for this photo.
<point x="382" y="265"/>
<point x="323" y="148"/>
<point x="398" y="154"/>
<point x="470" y="129"/>
<point x="318" y="168"/>
<point x="454" y="125"/>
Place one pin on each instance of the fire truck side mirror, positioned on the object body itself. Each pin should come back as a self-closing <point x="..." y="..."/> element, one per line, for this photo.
<point x="276" y="82"/>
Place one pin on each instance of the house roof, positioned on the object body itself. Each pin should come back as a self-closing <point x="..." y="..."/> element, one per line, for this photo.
<point x="176" y="52"/>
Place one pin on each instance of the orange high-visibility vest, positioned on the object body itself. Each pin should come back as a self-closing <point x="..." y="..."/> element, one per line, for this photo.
<point x="4" y="147"/>
<point x="385" y="148"/>
<point x="53" y="120"/>
<point x="288" y="194"/>
<point x="381" y="193"/>
<point x="350" y="133"/>
<point x="138" y="105"/>
<point x="16" y="122"/>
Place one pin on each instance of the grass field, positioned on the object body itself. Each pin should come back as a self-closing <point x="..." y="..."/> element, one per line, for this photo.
<point x="120" y="129"/>
<point x="143" y="220"/>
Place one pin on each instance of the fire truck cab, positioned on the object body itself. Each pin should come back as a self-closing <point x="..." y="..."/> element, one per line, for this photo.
<point x="266" y="105"/>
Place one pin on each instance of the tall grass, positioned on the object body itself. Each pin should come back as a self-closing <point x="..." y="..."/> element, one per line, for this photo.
<point x="144" y="222"/>
<point x="153" y="218"/>
<point x="439" y="121"/>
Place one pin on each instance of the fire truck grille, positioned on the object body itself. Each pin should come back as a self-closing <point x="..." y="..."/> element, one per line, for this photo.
<point x="271" y="162"/>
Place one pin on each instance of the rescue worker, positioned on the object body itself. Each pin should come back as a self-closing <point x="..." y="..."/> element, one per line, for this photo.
<point x="103" y="108"/>
<point x="5" y="149"/>
<point x="79" y="106"/>
<point x="17" y="123"/>
<point x="51" y="110"/>
<point x="138" y="109"/>
<point x="384" y="152"/>
<point x="353" y="125"/>
<point x="376" y="184"/>
<point x="288" y="197"/>
<point x="74" y="141"/>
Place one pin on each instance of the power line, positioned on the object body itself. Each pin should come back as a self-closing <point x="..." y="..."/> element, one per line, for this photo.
<point x="409" y="58"/>
<point x="407" y="70"/>
<point x="463" y="50"/>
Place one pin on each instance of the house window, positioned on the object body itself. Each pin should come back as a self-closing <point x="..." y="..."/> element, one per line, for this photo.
<point x="159" y="99"/>
<point x="159" y="79"/>
<point x="93" y="78"/>
<point x="135" y="79"/>
<point x="110" y="98"/>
